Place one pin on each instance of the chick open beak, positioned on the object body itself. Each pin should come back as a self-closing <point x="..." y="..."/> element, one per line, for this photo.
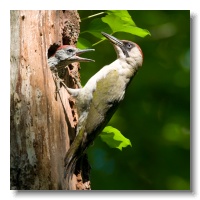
<point x="116" y="42"/>
<point x="76" y="58"/>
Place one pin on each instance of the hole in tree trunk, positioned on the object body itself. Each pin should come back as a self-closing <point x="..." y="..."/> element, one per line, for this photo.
<point x="52" y="49"/>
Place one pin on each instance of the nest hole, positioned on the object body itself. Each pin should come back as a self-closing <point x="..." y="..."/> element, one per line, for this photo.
<point x="52" y="49"/>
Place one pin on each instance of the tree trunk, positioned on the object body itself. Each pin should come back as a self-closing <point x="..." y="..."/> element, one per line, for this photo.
<point x="42" y="123"/>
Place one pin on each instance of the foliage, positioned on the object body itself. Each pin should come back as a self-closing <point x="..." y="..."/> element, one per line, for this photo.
<point x="113" y="138"/>
<point x="114" y="21"/>
<point x="155" y="114"/>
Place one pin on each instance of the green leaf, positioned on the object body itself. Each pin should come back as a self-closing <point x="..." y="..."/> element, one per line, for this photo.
<point x="136" y="31"/>
<point x="96" y="27"/>
<point x="113" y="138"/>
<point x="123" y="15"/>
<point x="83" y="43"/>
<point x="124" y="24"/>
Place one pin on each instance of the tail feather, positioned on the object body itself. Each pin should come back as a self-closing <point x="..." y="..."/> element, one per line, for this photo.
<point x="69" y="171"/>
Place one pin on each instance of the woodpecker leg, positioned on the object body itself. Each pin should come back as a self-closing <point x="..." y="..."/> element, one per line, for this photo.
<point x="57" y="81"/>
<point x="78" y="83"/>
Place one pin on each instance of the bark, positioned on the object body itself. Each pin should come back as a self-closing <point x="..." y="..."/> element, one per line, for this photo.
<point x="41" y="124"/>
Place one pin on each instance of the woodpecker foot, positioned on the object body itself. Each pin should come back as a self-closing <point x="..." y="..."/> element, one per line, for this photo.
<point x="78" y="83"/>
<point x="57" y="81"/>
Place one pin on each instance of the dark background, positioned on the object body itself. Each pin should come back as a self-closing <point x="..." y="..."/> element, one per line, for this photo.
<point x="155" y="114"/>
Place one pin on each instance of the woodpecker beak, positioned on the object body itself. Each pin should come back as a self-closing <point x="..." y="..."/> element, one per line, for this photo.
<point x="76" y="57"/>
<point x="116" y="42"/>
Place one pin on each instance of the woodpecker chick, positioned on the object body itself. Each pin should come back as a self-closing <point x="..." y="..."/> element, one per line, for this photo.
<point x="98" y="100"/>
<point x="64" y="56"/>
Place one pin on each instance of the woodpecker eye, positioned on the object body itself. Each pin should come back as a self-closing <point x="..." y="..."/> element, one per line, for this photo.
<point x="70" y="50"/>
<point x="129" y="46"/>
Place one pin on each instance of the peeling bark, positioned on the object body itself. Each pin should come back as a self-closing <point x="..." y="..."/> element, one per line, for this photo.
<point x="41" y="126"/>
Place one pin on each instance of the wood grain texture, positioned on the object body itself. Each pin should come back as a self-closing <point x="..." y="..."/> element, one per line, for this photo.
<point x="41" y="125"/>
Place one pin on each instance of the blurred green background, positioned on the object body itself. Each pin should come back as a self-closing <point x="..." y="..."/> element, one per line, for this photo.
<point x="155" y="114"/>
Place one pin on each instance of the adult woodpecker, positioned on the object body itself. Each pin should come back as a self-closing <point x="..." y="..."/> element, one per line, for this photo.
<point x="64" y="56"/>
<point x="98" y="100"/>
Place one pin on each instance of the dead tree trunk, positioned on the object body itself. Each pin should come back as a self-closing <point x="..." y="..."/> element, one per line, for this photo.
<point x="41" y="124"/>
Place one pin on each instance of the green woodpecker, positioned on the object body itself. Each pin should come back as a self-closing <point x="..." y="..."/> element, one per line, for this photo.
<point x="98" y="100"/>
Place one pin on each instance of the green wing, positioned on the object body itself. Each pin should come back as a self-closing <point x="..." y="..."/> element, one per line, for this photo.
<point x="107" y="96"/>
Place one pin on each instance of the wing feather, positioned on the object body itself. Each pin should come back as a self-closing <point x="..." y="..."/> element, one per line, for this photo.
<point x="109" y="92"/>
